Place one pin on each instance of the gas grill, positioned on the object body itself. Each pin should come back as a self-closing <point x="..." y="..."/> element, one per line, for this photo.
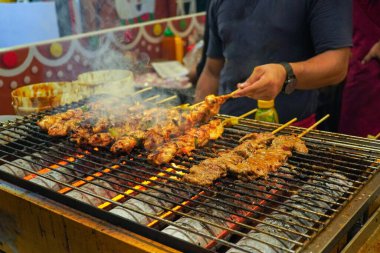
<point x="285" y="212"/>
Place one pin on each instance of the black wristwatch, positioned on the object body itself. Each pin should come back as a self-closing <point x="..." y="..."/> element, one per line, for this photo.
<point x="290" y="80"/>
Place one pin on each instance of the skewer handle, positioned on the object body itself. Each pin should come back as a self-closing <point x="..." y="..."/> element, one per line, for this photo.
<point x="182" y="106"/>
<point x="274" y="131"/>
<point x="233" y="93"/>
<point x="377" y="136"/>
<point x="232" y="119"/>
<point x="152" y="98"/>
<point x="141" y="91"/>
<point x="284" y="125"/>
<point x="166" y="99"/>
<point x="313" y="126"/>
<point x="194" y="105"/>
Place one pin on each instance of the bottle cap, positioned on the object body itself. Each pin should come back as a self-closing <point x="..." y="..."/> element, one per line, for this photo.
<point x="168" y="32"/>
<point x="265" y="104"/>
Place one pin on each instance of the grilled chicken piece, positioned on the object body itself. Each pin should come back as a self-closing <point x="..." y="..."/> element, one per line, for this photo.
<point x="207" y="171"/>
<point x="100" y="125"/>
<point x="159" y="134"/>
<point x="100" y="139"/>
<point x="266" y="160"/>
<point x="184" y="144"/>
<point x="124" y="144"/>
<point x="214" y="103"/>
<point x="63" y="128"/>
<point x="48" y="121"/>
<point x="163" y="154"/>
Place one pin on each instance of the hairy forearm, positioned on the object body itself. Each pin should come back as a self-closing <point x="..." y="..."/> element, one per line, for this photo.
<point x="328" y="68"/>
<point x="209" y="80"/>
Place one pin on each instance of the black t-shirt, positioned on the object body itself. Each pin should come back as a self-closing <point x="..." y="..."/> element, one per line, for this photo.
<point x="248" y="33"/>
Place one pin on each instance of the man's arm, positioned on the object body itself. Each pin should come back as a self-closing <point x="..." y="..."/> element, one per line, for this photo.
<point x="209" y="80"/>
<point x="327" y="68"/>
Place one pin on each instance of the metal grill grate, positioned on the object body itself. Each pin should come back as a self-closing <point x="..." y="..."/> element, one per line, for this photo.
<point x="281" y="213"/>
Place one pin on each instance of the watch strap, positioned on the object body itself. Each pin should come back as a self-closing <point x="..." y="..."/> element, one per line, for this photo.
<point x="289" y="76"/>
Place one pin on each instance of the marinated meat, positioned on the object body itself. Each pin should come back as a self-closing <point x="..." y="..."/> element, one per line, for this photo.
<point x="100" y="139"/>
<point x="206" y="172"/>
<point x="184" y="144"/>
<point x="266" y="160"/>
<point x="99" y="124"/>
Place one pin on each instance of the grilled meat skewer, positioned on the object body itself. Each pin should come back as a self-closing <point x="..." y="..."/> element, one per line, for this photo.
<point x="249" y="160"/>
<point x="207" y="171"/>
<point x="175" y="124"/>
<point x="47" y="121"/>
<point x="196" y="137"/>
<point x="266" y="160"/>
<point x="203" y="112"/>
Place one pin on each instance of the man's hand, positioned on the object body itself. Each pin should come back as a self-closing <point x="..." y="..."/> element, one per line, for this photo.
<point x="265" y="82"/>
<point x="374" y="53"/>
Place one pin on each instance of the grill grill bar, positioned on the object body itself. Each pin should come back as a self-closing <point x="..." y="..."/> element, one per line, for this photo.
<point x="229" y="213"/>
<point x="166" y="221"/>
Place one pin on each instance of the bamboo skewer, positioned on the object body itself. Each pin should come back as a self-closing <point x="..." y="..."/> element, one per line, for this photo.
<point x="230" y="95"/>
<point x="274" y="131"/>
<point x="166" y="99"/>
<point x="374" y="137"/>
<point x="142" y="91"/>
<point x="235" y="120"/>
<point x="182" y="106"/>
<point x="284" y="125"/>
<point x="152" y="98"/>
<point x="313" y="126"/>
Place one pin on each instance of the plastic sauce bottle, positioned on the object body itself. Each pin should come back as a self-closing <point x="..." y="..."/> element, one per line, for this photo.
<point x="172" y="46"/>
<point x="266" y="111"/>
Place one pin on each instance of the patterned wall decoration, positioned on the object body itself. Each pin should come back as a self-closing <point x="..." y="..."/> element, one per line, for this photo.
<point x="64" y="59"/>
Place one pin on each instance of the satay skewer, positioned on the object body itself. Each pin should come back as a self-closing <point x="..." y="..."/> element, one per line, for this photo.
<point x="251" y="159"/>
<point x="274" y="131"/>
<point x="192" y="139"/>
<point x="227" y="96"/>
<point x="142" y="91"/>
<point x="152" y="98"/>
<point x="235" y="120"/>
<point x="166" y="99"/>
<point x="313" y="126"/>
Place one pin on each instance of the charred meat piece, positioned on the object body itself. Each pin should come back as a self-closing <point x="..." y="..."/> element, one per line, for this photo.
<point x="100" y="139"/>
<point x="124" y="144"/>
<point x="46" y="122"/>
<point x="266" y="160"/>
<point x="63" y="128"/>
<point x="202" y="113"/>
<point x="206" y="172"/>
<point x="184" y="144"/>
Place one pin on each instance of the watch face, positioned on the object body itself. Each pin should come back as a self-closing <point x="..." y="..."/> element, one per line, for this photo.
<point x="290" y="85"/>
